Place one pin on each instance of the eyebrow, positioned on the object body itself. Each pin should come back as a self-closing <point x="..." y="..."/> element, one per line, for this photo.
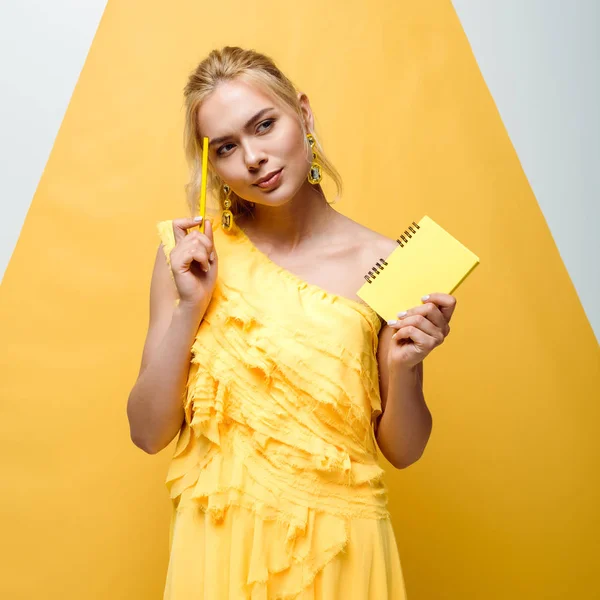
<point x="249" y="122"/>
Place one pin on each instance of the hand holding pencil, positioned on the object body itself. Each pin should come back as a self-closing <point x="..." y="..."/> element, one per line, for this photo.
<point x="194" y="260"/>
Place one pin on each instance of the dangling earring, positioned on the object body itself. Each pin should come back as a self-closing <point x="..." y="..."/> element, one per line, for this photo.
<point x="227" y="216"/>
<point x="314" y="174"/>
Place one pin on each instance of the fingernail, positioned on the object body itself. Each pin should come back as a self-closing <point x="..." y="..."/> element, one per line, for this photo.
<point x="392" y="322"/>
<point x="197" y="219"/>
<point x="212" y="256"/>
<point x="206" y="269"/>
<point x="425" y="298"/>
<point x="402" y="314"/>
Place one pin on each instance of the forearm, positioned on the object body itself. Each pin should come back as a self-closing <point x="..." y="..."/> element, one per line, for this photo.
<point x="155" y="406"/>
<point x="406" y="423"/>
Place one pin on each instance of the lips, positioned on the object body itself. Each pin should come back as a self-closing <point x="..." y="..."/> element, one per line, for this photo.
<point x="269" y="180"/>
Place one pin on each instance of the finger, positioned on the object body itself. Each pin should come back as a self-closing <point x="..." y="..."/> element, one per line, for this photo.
<point x="445" y="302"/>
<point x="208" y="231"/>
<point x="197" y="253"/>
<point x="420" y="322"/>
<point x="180" y="227"/>
<point x="188" y="250"/>
<point x="419" y="337"/>
<point x="195" y="237"/>
<point x="429" y="311"/>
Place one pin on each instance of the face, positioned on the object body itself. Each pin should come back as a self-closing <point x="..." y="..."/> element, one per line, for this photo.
<point x="254" y="136"/>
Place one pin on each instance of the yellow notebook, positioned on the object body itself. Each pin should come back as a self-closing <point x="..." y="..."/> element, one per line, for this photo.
<point x="427" y="259"/>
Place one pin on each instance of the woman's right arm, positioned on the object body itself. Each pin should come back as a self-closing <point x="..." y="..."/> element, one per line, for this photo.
<point x="155" y="404"/>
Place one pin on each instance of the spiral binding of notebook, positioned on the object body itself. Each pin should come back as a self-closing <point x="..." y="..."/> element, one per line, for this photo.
<point x="427" y="259"/>
<point x="380" y="265"/>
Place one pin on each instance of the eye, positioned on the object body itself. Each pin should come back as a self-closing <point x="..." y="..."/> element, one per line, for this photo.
<point x="223" y="149"/>
<point x="268" y="123"/>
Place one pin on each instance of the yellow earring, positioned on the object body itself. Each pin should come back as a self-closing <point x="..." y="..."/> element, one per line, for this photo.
<point x="227" y="216"/>
<point x="314" y="174"/>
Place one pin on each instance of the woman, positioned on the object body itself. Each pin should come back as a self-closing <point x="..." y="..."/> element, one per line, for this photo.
<point x="279" y="381"/>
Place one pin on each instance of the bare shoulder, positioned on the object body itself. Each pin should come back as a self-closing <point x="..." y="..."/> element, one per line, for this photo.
<point x="354" y="249"/>
<point x="367" y="245"/>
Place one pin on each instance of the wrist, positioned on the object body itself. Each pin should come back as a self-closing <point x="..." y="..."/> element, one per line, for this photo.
<point x="403" y="371"/>
<point x="399" y="362"/>
<point x="189" y="312"/>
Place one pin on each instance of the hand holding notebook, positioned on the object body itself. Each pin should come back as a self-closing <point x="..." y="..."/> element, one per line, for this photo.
<point x="427" y="259"/>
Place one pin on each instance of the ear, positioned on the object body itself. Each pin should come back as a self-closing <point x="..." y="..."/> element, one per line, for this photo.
<point x="307" y="115"/>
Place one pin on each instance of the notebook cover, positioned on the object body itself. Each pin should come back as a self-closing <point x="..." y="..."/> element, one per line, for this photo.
<point x="428" y="260"/>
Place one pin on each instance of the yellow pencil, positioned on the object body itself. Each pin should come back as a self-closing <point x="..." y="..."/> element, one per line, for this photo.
<point x="203" y="186"/>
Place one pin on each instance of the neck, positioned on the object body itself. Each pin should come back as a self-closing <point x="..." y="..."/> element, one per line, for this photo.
<point x="286" y="227"/>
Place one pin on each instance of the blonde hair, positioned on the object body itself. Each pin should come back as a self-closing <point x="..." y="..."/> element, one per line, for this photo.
<point x="224" y="65"/>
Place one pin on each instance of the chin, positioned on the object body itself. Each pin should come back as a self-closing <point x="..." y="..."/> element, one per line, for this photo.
<point x="277" y="197"/>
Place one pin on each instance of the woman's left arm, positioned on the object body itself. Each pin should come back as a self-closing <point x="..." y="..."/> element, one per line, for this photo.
<point x="404" y="427"/>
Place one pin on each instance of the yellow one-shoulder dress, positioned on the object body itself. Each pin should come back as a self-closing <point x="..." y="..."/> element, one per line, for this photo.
<point x="276" y="489"/>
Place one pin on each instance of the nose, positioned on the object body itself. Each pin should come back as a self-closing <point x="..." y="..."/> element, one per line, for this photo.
<point x="254" y="157"/>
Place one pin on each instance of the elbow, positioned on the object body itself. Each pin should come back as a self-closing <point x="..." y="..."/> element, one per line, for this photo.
<point x="408" y="457"/>
<point x="404" y="463"/>
<point x="145" y="446"/>
<point x="150" y="443"/>
<point x="137" y="436"/>
<point x="152" y="433"/>
<point x="398" y="464"/>
<point x="143" y="443"/>
<point x="414" y="457"/>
